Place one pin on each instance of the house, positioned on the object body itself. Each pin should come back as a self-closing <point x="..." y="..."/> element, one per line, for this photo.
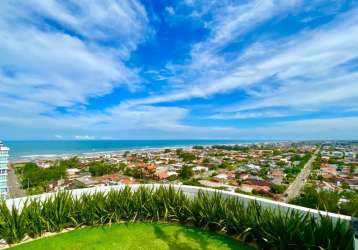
<point x="86" y="180"/>
<point x="200" y="169"/>
<point x="127" y="181"/>
<point x="325" y="153"/>
<point x="60" y="184"/>
<point x="72" y="172"/>
<point x="221" y="178"/>
<point x="337" y="154"/>
<point x="258" y="182"/>
<point x="252" y="167"/>
<point x="328" y="170"/>
<point x="161" y="175"/>
<point x="42" y="164"/>
<point x="172" y="173"/>
<point x="250" y="187"/>
<point x="277" y="176"/>
<point x="325" y="158"/>
<point x="325" y="186"/>
<point x="177" y="165"/>
<point x="350" y="154"/>
<point x="150" y="168"/>
<point x="114" y="178"/>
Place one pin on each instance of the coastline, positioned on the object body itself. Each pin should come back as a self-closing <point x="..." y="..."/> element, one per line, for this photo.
<point x="27" y="158"/>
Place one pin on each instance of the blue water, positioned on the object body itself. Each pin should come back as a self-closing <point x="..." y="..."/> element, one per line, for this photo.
<point x="30" y="149"/>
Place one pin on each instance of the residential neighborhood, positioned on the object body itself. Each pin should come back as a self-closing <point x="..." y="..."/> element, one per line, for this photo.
<point x="265" y="169"/>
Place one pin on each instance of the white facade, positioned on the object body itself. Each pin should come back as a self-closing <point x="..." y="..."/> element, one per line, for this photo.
<point x="4" y="156"/>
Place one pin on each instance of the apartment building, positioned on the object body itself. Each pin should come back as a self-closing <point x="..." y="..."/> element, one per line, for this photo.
<point x="4" y="156"/>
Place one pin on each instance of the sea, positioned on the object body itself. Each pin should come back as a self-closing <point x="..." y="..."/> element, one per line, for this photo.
<point x="22" y="150"/>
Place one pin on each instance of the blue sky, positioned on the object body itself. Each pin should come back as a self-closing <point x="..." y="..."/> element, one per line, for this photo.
<point x="258" y="69"/>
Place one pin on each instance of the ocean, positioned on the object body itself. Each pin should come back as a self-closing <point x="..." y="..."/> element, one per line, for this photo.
<point x="36" y="149"/>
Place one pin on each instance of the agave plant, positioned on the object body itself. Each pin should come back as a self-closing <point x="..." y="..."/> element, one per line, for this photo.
<point x="270" y="229"/>
<point x="35" y="222"/>
<point x="57" y="212"/>
<point x="12" y="224"/>
<point x="332" y="235"/>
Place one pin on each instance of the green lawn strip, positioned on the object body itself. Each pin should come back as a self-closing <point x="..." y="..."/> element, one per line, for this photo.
<point x="137" y="236"/>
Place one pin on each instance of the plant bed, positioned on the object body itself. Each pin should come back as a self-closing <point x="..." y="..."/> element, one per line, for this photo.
<point x="267" y="228"/>
<point x="135" y="236"/>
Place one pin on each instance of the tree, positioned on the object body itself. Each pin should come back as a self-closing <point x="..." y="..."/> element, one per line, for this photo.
<point x="171" y="161"/>
<point x="309" y="198"/>
<point x="99" y="168"/>
<point x="225" y="165"/>
<point x="186" y="172"/>
<point x="277" y="189"/>
<point x="206" y="161"/>
<point x="187" y="157"/>
<point x="34" y="176"/>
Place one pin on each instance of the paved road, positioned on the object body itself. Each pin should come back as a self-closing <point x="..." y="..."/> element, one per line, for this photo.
<point x="14" y="185"/>
<point x="295" y="187"/>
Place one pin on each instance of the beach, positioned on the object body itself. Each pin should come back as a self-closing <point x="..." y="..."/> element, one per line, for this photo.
<point x="22" y="151"/>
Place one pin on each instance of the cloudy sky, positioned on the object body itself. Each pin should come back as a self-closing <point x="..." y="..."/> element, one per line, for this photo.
<point x="150" y="69"/>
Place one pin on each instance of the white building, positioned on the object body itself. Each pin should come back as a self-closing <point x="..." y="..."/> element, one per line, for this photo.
<point x="350" y="154"/>
<point x="4" y="156"/>
<point x="337" y="154"/>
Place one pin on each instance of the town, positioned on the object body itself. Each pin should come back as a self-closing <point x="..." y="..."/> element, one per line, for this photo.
<point x="265" y="169"/>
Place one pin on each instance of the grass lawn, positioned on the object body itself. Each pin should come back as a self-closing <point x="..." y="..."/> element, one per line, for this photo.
<point x="135" y="236"/>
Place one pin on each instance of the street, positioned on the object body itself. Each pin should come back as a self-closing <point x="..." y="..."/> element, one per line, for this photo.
<point x="14" y="185"/>
<point x="295" y="187"/>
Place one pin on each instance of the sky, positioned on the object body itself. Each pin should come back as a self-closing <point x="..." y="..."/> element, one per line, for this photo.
<point x="188" y="69"/>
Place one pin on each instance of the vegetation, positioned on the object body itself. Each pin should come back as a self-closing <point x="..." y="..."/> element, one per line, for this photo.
<point x="186" y="172"/>
<point x="329" y="201"/>
<point x="99" y="168"/>
<point x="292" y="172"/>
<point x="186" y="156"/>
<point x="134" y="172"/>
<point x="193" y="183"/>
<point x="252" y="223"/>
<point x="35" y="179"/>
<point x="278" y="189"/>
<point x="231" y="147"/>
<point x="135" y="236"/>
<point x="226" y="165"/>
<point x="33" y="176"/>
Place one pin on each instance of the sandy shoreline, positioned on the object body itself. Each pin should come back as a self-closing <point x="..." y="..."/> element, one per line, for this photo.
<point x="26" y="158"/>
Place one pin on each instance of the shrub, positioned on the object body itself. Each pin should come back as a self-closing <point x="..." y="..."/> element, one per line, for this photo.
<point x="12" y="224"/>
<point x="270" y="229"/>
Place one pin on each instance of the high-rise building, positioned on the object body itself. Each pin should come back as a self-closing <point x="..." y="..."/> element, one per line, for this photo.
<point x="4" y="156"/>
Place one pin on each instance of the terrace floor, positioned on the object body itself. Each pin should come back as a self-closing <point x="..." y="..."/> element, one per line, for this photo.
<point x="141" y="236"/>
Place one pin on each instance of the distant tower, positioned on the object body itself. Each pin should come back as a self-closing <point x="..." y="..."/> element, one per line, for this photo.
<point x="4" y="156"/>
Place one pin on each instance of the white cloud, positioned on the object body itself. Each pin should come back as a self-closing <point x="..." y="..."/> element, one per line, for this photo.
<point x="248" y="115"/>
<point x="42" y="68"/>
<point x="58" y="136"/>
<point x="344" y="128"/>
<point x="307" y="68"/>
<point x="84" y="137"/>
<point x="46" y="66"/>
<point x="170" y="10"/>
